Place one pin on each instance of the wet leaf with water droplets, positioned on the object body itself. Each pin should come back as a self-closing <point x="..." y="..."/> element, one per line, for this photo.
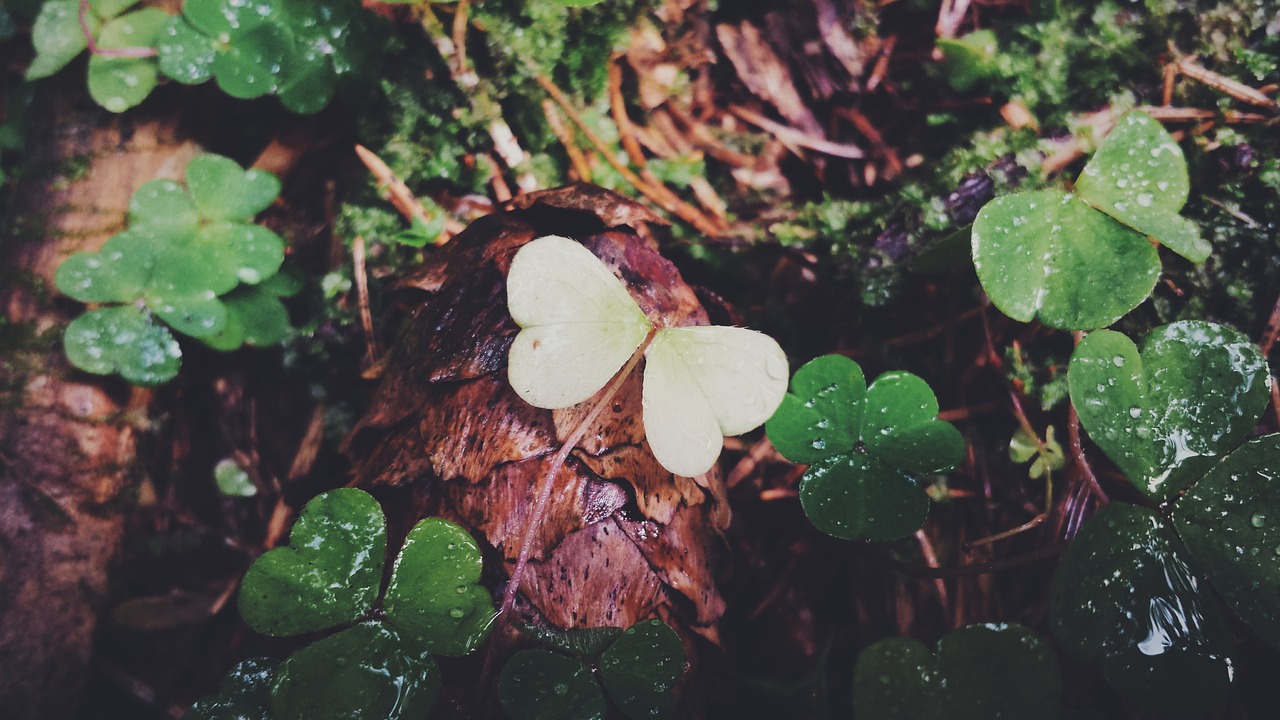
<point x="122" y="339"/>
<point x="434" y="597"/>
<point x="1230" y="521"/>
<point x="1124" y="595"/>
<point x="1139" y="177"/>
<point x="366" y="672"/>
<point x="862" y="444"/>
<point x="119" y="83"/>
<point x="117" y="273"/>
<point x="981" y="672"/>
<point x="542" y="685"/>
<point x="1048" y="255"/>
<point x="185" y="54"/>
<point x="243" y="695"/>
<point x="640" y="669"/>
<point x="1197" y="387"/>
<point x="329" y="573"/>
<point x="225" y="191"/>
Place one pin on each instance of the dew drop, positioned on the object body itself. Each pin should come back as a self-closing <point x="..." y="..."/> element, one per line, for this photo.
<point x="1258" y="520"/>
<point x="457" y="613"/>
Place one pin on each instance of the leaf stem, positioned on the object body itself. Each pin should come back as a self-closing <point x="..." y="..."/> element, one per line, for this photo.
<point x="561" y="456"/>
<point x="133" y="52"/>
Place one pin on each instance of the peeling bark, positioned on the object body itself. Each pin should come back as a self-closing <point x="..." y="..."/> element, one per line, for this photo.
<point x="67" y="440"/>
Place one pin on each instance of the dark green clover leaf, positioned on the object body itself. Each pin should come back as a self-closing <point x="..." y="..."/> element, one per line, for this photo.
<point x="1166" y="415"/>
<point x="251" y="253"/>
<point x="1049" y="255"/>
<point x="980" y="672"/>
<point x="862" y="445"/>
<point x="261" y="318"/>
<point x="119" y="83"/>
<point x="223" y="19"/>
<point x="542" y="685"/>
<point x="1230" y="522"/>
<point x="122" y="339"/>
<point x="244" y="694"/>
<point x="225" y="191"/>
<point x="641" y="667"/>
<point x="366" y="672"/>
<point x="117" y="273"/>
<point x="329" y="573"/>
<point x="1139" y="177"/>
<point x="287" y="282"/>
<point x="434" y="597"/>
<point x="1125" y="595"/>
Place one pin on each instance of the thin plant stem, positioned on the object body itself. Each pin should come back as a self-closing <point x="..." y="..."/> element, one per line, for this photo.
<point x="133" y="52"/>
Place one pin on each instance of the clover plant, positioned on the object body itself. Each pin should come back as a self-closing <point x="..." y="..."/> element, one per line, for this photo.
<point x="863" y="446"/>
<point x="298" y="50"/>
<point x="638" y="668"/>
<point x="1080" y="261"/>
<point x="191" y="258"/>
<point x="978" y="672"/>
<point x="376" y="665"/>
<point x="1130" y="590"/>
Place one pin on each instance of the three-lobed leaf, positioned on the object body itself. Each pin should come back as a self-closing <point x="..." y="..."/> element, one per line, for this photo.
<point x="1164" y="416"/>
<point x="862" y="444"/>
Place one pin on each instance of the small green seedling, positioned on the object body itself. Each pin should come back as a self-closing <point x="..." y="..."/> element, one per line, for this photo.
<point x="232" y="480"/>
<point x="979" y="672"/>
<point x="1081" y="261"/>
<point x="1125" y="595"/>
<point x="298" y="50"/>
<point x="1166" y="415"/>
<point x="1044" y="458"/>
<point x="970" y="60"/>
<point x="329" y="575"/>
<point x="580" y="325"/>
<point x="123" y="68"/>
<point x="638" y="668"/>
<point x="192" y="258"/>
<point x="863" y="445"/>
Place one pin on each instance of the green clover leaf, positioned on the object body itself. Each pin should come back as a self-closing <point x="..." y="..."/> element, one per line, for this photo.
<point x="57" y="37"/>
<point x="1139" y="177"/>
<point x="542" y="685"/>
<point x="863" y="444"/>
<point x="166" y="209"/>
<point x="1166" y="415"/>
<point x="122" y="339"/>
<point x="243" y="695"/>
<point x="120" y="272"/>
<point x="119" y="83"/>
<point x="1230" y="521"/>
<point x="434" y="596"/>
<point x="329" y="573"/>
<point x="979" y="672"/>
<point x="1125" y="595"/>
<point x="366" y="672"/>
<point x="225" y="191"/>
<point x="1048" y="255"/>
<point x="184" y="53"/>
<point x="640" y="668"/>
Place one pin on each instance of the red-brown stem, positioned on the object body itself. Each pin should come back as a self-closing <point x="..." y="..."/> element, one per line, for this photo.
<point x="134" y="52"/>
<point x="548" y="480"/>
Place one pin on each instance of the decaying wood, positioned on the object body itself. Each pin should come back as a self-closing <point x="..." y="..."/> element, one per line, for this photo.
<point x="623" y="539"/>
<point x="67" y="440"/>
